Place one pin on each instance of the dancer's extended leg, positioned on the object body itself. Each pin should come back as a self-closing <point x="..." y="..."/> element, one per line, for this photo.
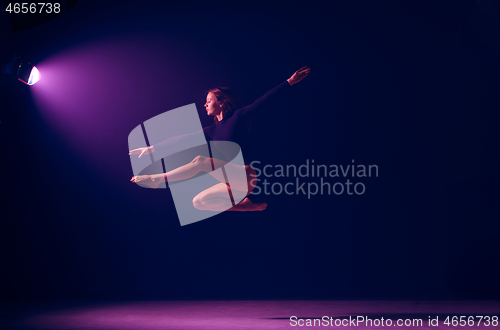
<point x="239" y="173"/>
<point x="216" y="198"/>
<point x="198" y="164"/>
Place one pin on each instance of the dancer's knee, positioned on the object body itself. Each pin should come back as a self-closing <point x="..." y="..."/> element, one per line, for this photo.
<point x="199" y="159"/>
<point x="202" y="162"/>
<point x="197" y="203"/>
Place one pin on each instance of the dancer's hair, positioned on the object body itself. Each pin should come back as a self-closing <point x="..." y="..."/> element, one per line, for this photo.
<point x="225" y="95"/>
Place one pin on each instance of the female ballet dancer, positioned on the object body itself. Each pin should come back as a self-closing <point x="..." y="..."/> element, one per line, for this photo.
<point x="230" y="125"/>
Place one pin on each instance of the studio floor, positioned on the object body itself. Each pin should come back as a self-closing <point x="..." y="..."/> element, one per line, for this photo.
<point x="238" y="314"/>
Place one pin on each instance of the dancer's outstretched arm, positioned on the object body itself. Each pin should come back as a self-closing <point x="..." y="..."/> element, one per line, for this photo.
<point x="295" y="78"/>
<point x="166" y="143"/>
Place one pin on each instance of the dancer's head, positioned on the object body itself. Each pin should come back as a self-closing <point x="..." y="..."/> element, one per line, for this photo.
<point x="220" y="100"/>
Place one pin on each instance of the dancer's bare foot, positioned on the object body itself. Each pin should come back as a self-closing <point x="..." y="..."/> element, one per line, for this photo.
<point x="152" y="181"/>
<point x="260" y="206"/>
<point x="247" y="205"/>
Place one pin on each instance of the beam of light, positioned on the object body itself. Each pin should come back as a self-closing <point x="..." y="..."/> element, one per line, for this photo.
<point x="93" y="94"/>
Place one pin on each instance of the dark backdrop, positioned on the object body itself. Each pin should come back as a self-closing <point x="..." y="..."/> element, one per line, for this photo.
<point x="411" y="86"/>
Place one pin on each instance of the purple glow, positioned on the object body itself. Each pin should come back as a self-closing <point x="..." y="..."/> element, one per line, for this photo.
<point x="93" y="95"/>
<point x="221" y="315"/>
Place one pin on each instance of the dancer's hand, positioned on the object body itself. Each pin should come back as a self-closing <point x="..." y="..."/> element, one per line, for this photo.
<point x="299" y="75"/>
<point x="142" y="151"/>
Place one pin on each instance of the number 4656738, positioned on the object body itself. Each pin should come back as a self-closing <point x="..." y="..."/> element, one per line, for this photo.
<point x="33" y="8"/>
<point x="471" y="321"/>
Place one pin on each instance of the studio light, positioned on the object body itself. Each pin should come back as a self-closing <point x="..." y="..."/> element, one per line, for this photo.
<point x="30" y="72"/>
<point x="22" y="70"/>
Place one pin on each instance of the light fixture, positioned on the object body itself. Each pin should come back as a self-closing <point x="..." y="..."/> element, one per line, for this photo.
<point x="22" y="70"/>
<point x="30" y="72"/>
